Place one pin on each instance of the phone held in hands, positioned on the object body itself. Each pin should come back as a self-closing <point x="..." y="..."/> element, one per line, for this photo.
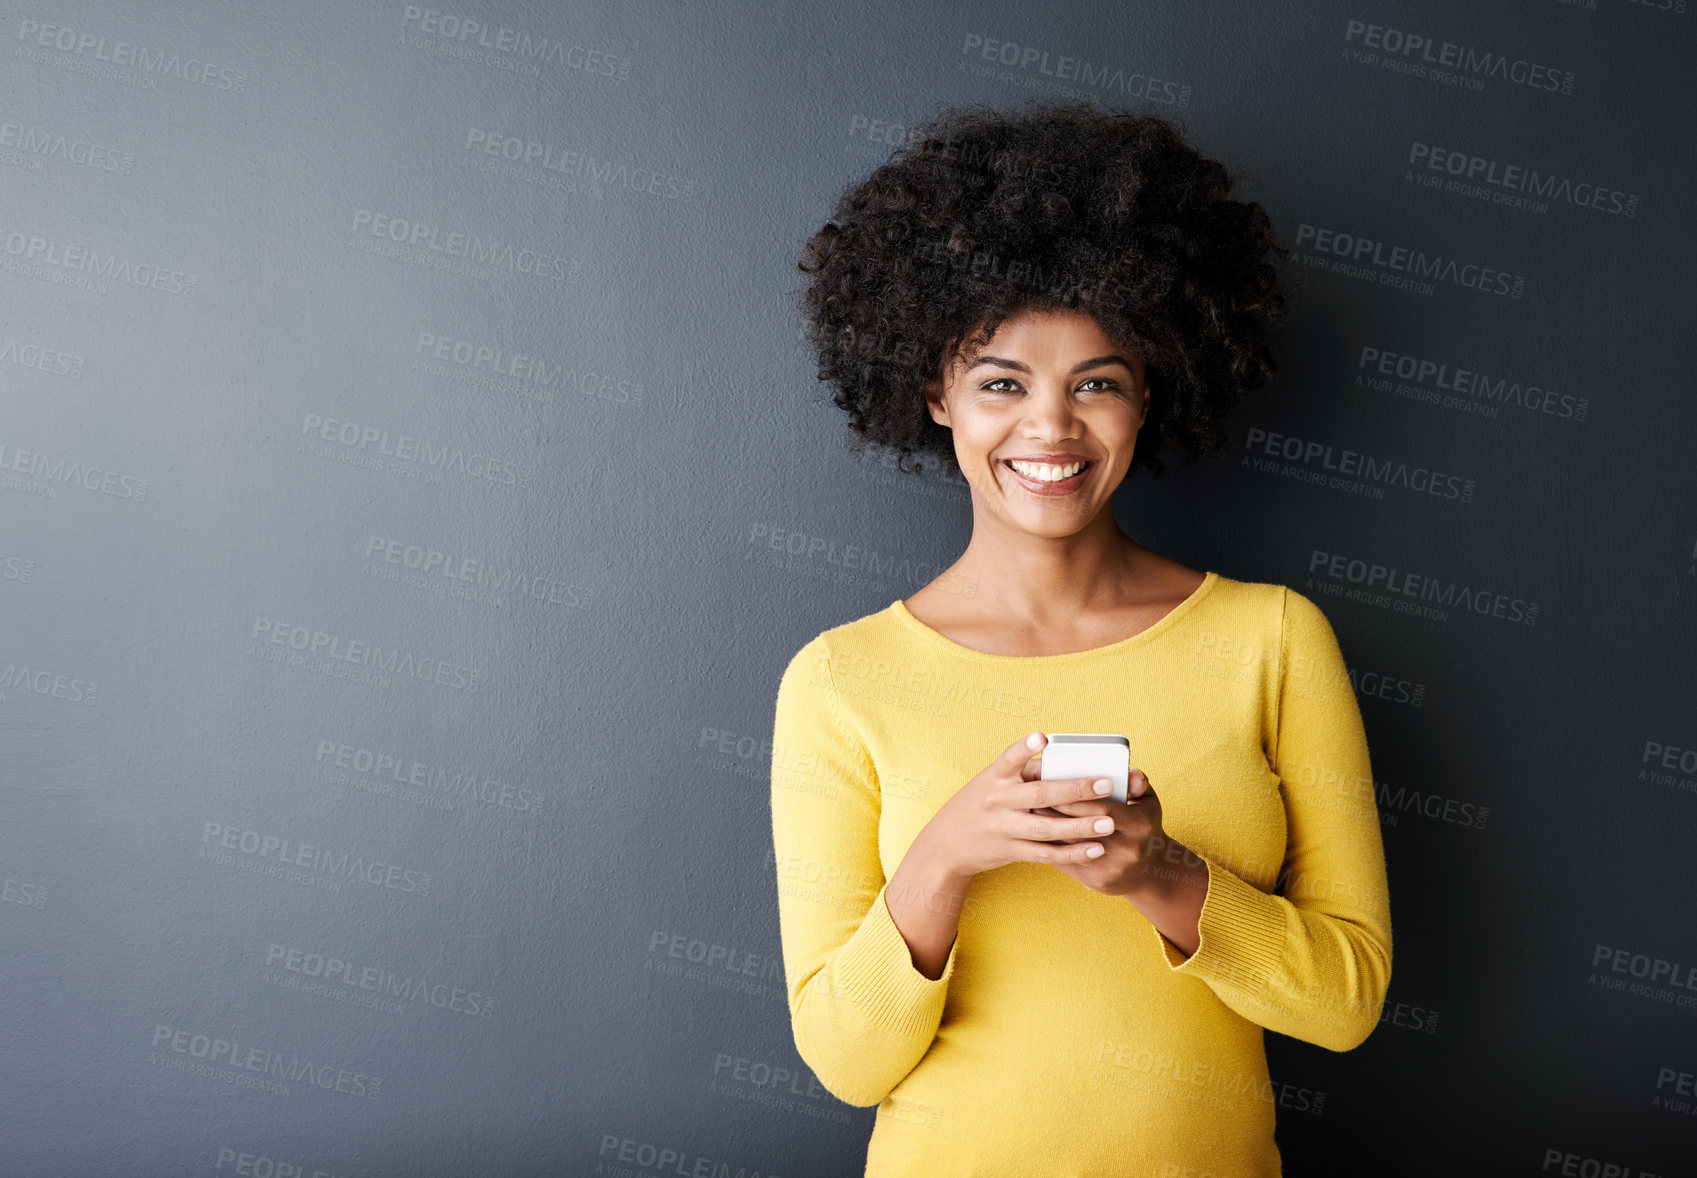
<point x="1088" y="754"/>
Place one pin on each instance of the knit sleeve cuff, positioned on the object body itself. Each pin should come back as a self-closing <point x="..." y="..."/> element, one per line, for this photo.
<point x="1242" y="934"/>
<point x="875" y="971"/>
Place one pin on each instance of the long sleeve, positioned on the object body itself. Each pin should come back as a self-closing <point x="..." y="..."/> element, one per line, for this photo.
<point x="862" y="1015"/>
<point x="1313" y="962"/>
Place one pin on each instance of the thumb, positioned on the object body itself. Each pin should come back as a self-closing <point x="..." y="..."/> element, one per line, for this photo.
<point x="1014" y="758"/>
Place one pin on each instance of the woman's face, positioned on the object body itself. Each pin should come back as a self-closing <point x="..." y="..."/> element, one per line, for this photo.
<point x="1049" y="387"/>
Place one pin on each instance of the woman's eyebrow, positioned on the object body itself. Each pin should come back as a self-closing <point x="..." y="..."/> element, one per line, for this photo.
<point x="997" y="362"/>
<point x="1098" y="362"/>
<point x="1103" y="362"/>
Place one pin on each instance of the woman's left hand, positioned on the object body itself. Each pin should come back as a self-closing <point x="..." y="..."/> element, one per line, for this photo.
<point x="1126" y="866"/>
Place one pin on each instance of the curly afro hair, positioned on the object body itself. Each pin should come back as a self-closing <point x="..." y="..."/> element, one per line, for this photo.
<point x="982" y="213"/>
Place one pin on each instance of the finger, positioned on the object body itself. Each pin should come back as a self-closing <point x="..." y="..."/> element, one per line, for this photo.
<point x="1075" y="789"/>
<point x="1090" y="810"/>
<point x="1032" y="768"/>
<point x="1048" y="812"/>
<point x="1093" y="826"/>
<point x="1038" y="792"/>
<point x="1079" y="809"/>
<point x="1041" y="828"/>
<point x="1016" y="758"/>
<point x="1035" y="852"/>
<point x="1138" y="785"/>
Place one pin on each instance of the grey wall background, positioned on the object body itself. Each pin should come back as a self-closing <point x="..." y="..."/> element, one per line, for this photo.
<point x="400" y="543"/>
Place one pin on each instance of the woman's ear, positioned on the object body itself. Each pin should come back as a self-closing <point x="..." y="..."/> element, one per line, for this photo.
<point x="934" y="402"/>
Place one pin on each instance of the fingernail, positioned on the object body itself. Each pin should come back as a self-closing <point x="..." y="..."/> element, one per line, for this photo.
<point x="1032" y="741"/>
<point x="1092" y="852"/>
<point x="1104" y="826"/>
<point x="1103" y="785"/>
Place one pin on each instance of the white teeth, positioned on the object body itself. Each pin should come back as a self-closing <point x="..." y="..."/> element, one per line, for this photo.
<point x="1044" y="473"/>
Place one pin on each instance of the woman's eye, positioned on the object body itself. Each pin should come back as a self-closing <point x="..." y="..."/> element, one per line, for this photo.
<point x="1012" y="386"/>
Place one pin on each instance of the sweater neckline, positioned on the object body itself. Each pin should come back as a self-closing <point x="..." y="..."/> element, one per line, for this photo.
<point x="898" y="607"/>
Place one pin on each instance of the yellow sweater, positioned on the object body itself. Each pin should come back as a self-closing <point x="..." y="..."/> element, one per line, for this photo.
<point x="1066" y="1036"/>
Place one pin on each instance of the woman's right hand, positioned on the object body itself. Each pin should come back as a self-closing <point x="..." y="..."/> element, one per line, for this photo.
<point x="989" y="821"/>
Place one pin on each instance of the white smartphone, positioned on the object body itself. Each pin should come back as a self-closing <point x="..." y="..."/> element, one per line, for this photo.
<point x="1088" y="754"/>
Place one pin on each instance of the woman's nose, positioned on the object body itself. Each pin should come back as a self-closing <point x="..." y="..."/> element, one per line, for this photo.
<point x="1051" y="409"/>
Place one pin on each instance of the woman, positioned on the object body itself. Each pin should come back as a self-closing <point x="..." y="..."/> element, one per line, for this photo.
<point x="1026" y="977"/>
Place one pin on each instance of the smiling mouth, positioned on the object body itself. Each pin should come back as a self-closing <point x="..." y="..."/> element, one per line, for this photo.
<point x="1055" y="487"/>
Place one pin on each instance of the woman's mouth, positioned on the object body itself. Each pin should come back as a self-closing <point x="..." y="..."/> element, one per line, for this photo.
<point x="1043" y="478"/>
